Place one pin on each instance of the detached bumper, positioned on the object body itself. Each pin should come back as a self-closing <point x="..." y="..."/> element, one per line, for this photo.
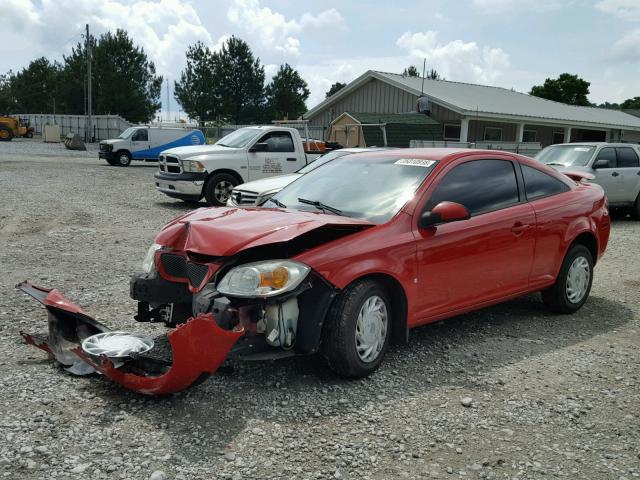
<point x="181" y="185"/>
<point x="197" y="347"/>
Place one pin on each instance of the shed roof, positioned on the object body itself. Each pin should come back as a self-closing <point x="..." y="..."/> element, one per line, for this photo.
<point x="405" y="118"/>
<point x="496" y="102"/>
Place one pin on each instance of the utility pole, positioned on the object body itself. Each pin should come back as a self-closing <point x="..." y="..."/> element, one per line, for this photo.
<point x="168" y="104"/>
<point x="89" y="135"/>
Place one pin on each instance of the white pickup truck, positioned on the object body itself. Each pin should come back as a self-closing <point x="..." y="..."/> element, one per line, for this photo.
<point x="211" y="171"/>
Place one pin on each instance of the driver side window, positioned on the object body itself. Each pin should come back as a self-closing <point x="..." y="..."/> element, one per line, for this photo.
<point x="608" y="154"/>
<point x="278" y="142"/>
<point x="480" y="185"/>
<point x="141" y="135"/>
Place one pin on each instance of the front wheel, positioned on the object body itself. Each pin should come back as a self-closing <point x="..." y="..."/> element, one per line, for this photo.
<point x="635" y="210"/>
<point x="218" y="189"/>
<point x="357" y="331"/>
<point x="6" y="134"/>
<point x="573" y="283"/>
<point x="123" y="158"/>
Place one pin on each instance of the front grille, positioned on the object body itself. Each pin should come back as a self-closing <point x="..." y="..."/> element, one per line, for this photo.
<point x="178" y="266"/>
<point x="104" y="147"/>
<point x="169" y="164"/>
<point x="244" y="197"/>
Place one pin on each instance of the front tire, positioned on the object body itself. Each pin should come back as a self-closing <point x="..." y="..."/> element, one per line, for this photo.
<point x="573" y="284"/>
<point x="357" y="330"/>
<point x="6" y="134"/>
<point x="123" y="158"/>
<point x="218" y="189"/>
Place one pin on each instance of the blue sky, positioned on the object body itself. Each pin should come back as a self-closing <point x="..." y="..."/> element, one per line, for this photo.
<point x="509" y="43"/>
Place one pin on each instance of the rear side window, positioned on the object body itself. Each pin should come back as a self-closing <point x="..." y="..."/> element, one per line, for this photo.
<point x="480" y="185"/>
<point x="627" y="157"/>
<point x="538" y="184"/>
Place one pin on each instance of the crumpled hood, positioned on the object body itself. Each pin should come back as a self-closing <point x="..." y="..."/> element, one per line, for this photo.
<point x="194" y="150"/>
<point x="224" y="231"/>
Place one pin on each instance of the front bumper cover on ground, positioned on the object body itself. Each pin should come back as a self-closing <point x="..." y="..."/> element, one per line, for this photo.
<point x="197" y="347"/>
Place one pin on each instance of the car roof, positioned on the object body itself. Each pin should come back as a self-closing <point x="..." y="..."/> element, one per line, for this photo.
<point x="439" y="154"/>
<point x="595" y="144"/>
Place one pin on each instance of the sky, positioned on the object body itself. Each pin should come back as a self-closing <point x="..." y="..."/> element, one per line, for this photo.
<point x="508" y="43"/>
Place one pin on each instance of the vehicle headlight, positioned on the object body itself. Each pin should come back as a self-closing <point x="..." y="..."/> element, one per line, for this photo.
<point x="148" y="263"/>
<point x="192" y="166"/>
<point x="263" y="279"/>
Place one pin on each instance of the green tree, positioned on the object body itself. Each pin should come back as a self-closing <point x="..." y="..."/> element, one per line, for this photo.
<point x="567" y="88"/>
<point x="411" y="71"/>
<point x="34" y="88"/>
<point x="336" y="87"/>
<point x="8" y="102"/>
<point x="197" y="91"/>
<point x="240" y="80"/>
<point x="631" y="103"/>
<point x="287" y="93"/>
<point x="433" y="75"/>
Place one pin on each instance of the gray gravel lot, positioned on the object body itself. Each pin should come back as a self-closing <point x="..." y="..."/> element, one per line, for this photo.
<point x="506" y="392"/>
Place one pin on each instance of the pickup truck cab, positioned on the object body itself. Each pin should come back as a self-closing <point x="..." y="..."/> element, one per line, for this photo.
<point x="616" y="167"/>
<point x="247" y="154"/>
<point x="146" y="143"/>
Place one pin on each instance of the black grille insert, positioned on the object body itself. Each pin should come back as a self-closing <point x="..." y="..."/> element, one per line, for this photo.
<point x="178" y="266"/>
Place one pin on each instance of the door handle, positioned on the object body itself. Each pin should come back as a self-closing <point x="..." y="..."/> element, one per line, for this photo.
<point x="519" y="227"/>
<point x="615" y="174"/>
<point x="291" y="159"/>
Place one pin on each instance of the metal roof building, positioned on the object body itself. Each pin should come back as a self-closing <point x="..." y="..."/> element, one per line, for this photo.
<point x="470" y="113"/>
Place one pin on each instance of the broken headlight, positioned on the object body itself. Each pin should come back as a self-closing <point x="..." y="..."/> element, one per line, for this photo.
<point x="263" y="279"/>
<point x="148" y="263"/>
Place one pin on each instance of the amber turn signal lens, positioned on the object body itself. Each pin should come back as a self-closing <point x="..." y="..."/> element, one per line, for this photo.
<point x="275" y="279"/>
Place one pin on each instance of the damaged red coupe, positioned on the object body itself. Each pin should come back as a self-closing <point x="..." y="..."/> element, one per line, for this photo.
<point x="343" y="261"/>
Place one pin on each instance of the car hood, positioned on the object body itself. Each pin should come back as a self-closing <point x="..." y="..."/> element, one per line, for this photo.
<point x="195" y="150"/>
<point x="225" y="231"/>
<point x="112" y="141"/>
<point x="268" y="184"/>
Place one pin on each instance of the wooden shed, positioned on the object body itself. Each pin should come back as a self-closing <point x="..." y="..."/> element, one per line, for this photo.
<point x="383" y="129"/>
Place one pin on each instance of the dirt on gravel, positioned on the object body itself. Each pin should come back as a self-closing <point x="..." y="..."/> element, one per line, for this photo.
<point x="510" y="391"/>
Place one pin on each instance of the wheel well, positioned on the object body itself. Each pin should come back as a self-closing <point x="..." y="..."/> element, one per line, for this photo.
<point x="233" y="173"/>
<point x="588" y="240"/>
<point x="123" y="150"/>
<point x="399" y="327"/>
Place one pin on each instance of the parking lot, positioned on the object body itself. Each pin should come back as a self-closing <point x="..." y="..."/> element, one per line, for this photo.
<point x="551" y="396"/>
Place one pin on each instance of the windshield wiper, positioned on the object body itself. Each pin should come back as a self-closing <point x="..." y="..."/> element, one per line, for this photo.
<point x="320" y="206"/>
<point x="278" y="202"/>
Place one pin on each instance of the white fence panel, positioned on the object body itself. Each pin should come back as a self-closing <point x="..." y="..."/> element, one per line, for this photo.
<point x="102" y="126"/>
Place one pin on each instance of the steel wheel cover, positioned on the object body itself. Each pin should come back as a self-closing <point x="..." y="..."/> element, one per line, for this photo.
<point x="578" y="278"/>
<point x="371" y="329"/>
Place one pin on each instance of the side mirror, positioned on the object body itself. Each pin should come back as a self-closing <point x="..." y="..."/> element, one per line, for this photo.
<point x="259" y="147"/>
<point x="601" y="163"/>
<point x="444" y="212"/>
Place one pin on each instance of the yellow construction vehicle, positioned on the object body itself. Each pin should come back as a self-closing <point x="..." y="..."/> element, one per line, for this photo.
<point x="12" y="127"/>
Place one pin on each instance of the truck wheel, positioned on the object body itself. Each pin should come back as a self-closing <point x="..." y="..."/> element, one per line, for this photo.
<point x="635" y="210"/>
<point x="6" y="135"/>
<point x="218" y="189"/>
<point x="357" y="331"/>
<point x="123" y="158"/>
<point x="573" y="283"/>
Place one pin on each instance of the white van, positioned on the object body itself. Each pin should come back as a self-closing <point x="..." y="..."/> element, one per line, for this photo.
<point x="146" y="143"/>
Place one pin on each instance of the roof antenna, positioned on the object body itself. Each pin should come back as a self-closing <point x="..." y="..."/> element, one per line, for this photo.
<point x="424" y="66"/>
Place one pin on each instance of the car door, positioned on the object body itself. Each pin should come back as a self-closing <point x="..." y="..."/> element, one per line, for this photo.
<point x="489" y="256"/>
<point x="629" y="168"/>
<point x="608" y="176"/>
<point x="140" y="143"/>
<point x="275" y="160"/>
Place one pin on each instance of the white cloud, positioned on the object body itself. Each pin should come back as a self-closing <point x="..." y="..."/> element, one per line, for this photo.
<point x="456" y="60"/>
<point x="500" y="6"/>
<point x="273" y="31"/>
<point x="626" y="49"/>
<point x="624" y="9"/>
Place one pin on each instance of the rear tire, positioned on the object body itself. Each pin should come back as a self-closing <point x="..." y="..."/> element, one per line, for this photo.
<point x="573" y="283"/>
<point x="357" y="330"/>
<point x="218" y="189"/>
<point x="6" y="134"/>
<point x="123" y="158"/>
<point x="635" y="210"/>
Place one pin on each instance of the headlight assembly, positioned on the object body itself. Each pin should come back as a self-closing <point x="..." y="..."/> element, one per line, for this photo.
<point x="148" y="263"/>
<point x="192" y="166"/>
<point x="263" y="279"/>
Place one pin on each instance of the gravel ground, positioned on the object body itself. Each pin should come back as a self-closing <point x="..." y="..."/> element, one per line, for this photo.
<point x="506" y="392"/>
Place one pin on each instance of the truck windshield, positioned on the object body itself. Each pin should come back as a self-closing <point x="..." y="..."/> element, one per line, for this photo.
<point x="566" y="155"/>
<point x="127" y="133"/>
<point x="239" y="138"/>
<point x="362" y="186"/>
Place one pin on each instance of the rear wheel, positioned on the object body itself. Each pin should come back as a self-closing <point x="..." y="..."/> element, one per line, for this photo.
<point x="573" y="283"/>
<point x="218" y="189"/>
<point x="123" y="158"/>
<point x="6" y="135"/>
<point x="635" y="210"/>
<point x="357" y="331"/>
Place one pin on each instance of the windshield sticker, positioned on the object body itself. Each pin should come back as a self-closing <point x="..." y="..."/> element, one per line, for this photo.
<point x="415" y="162"/>
<point x="581" y="149"/>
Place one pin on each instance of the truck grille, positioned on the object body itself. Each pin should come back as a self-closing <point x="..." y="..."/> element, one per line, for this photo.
<point x="179" y="267"/>
<point x="244" y="197"/>
<point x="169" y="164"/>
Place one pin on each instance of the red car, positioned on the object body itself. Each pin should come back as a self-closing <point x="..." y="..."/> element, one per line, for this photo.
<point x="343" y="261"/>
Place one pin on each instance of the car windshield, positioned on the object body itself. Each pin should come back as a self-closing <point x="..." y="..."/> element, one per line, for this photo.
<point x="239" y="138"/>
<point x="362" y="186"/>
<point x="127" y="133"/>
<point x="566" y="155"/>
<point x="321" y="160"/>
